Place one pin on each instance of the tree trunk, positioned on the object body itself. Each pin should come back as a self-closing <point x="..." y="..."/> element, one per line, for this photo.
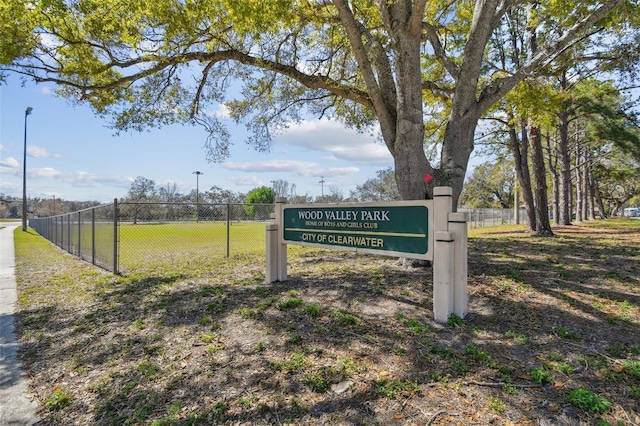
<point x="588" y="200"/>
<point x="565" y="172"/>
<point x="543" y="226"/>
<point x="598" y="196"/>
<point x="404" y="135"/>
<point x="455" y="154"/>
<point x="521" y="159"/>
<point x="579" y="185"/>
<point x="553" y="172"/>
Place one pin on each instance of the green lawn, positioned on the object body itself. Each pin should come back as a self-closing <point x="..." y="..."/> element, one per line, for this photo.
<point x="143" y="245"/>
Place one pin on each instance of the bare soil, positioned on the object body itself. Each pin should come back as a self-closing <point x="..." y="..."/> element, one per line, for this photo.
<point x="348" y="340"/>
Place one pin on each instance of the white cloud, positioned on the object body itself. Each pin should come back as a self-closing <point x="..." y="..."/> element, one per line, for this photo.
<point x="338" y="141"/>
<point x="45" y="173"/>
<point x="291" y="166"/>
<point x="222" y="111"/>
<point x="246" y="180"/>
<point x="9" y="163"/>
<point x="80" y="178"/>
<point x="300" y="168"/>
<point x="11" y="188"/>
<point x="39" y="152"/>
<point x="2" y="148"/>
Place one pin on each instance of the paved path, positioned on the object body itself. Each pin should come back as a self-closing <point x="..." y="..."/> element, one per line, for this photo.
<point x="17" y="407"/>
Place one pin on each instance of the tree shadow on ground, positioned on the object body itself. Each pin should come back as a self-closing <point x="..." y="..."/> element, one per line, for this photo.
<point x="190" y="347"/>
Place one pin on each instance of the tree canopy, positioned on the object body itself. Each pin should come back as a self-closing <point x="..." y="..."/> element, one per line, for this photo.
<point x="417" y="71"/>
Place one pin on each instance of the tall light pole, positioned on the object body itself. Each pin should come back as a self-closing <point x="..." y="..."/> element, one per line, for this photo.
<point x="27" y="112"/>
<point x="322" y="186"/>
<point x="197" y="173"/>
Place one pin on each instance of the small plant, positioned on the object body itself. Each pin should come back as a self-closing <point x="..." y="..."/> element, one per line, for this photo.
<point x="219" y="409"/>
<point x="565" y="333"/>
<point x="217" y="306"/>
<point x="245" y="313"/>
<point x="296" y="339"/>
<point x="296" y="364"/>
<point x="631" y="368"/>
<point x="509" y="389"/>
<point x="205" y="320"/>
<point x="344" y="317"/>
<point x="291" y="303"/>
<point x="397" y="389"/>
<point x="616" y="350"/>
<point x="454" y="320"/>
<point x="348" y="367"/>
<point x="261" y="291"/>
<point x="588" y="401"/>
<point x="211" y="291"/>
<point x="148" y="369"/>
<point x="445" y="353"/>
<point x="564" y="368"/>
<point x="261" y="346"/>
<point x="138" y="324"/>
<point x="413" y="324"/>
<point x="399" y="351"/>
<point x="555" y="356"/>
<point x="541" y="376"/>
<point x="518" y="337"/>
<point x="460" y="367"/>
<point x="58" y="399"/>
<point x="319" y="381"/>
<point x="266" y="304"/>
<point x="312" y="311"/>
<point x="206" y="338"/>
<point x="174" y="408"/>
<point x="496" y="404"/>
<point x="480" y="356"/>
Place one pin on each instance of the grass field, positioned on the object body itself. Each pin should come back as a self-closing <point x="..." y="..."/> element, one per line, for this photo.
<point x="159" y="244"/>
<point x="551" y="337"/>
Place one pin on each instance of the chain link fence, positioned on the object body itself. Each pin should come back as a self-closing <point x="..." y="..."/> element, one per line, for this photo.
<point x="160" y="234"/>
<point x="89" y="234"/>
<point x="125" y="237"/>
<point x="482" y="218"/>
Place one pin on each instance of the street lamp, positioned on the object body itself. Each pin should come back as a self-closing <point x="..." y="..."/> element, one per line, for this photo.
<point x="197" y="173"/>
<point x="24" y="172"/>
<point x="322" y="186"/>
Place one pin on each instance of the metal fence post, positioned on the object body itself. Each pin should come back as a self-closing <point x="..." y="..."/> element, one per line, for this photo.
<point x="93" y="236"/>
<point x="69" y="232"/>
<point x="115" y="236"/>
<point x="228" y="229"/>
<point x="79" y="235"/>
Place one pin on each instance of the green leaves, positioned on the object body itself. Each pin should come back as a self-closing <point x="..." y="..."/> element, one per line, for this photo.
<point x="17" y="23"/>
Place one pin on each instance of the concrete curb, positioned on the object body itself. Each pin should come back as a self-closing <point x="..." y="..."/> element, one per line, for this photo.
<point x="17" y="407"/>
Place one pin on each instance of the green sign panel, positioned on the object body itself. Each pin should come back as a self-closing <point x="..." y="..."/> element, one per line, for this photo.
<point x="388" y="228"/>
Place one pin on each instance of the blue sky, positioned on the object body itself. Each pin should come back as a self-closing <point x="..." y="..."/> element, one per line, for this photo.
<point x="71" y="154"/>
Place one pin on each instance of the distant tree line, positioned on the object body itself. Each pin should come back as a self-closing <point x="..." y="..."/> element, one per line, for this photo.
<point x="11" y="207"/>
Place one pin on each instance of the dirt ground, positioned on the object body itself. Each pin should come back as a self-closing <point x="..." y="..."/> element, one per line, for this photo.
<point x="348" y="340"/>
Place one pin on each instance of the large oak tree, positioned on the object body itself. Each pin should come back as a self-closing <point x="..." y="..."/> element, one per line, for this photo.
<point x="394" y="65"/>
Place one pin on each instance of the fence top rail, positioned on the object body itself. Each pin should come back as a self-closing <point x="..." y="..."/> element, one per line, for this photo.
<point x="76" y="211"/>
<point x="186" y="203"/>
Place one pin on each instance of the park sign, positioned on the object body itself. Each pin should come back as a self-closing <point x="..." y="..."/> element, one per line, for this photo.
<point x="392" y="229"/>
<point x="421" y="229"/>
